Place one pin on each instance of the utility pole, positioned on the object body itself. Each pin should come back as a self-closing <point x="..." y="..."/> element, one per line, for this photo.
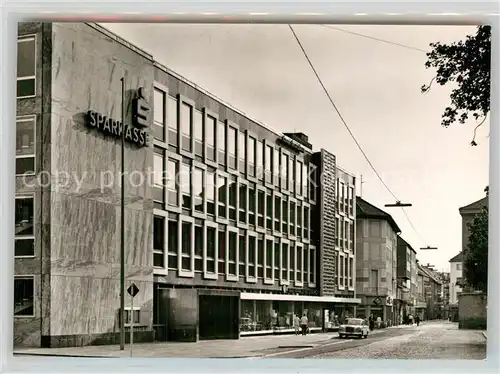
<point x="122" y="226"/>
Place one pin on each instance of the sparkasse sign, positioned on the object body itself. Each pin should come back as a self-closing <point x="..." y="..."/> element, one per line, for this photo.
<point x="133" y="134"/>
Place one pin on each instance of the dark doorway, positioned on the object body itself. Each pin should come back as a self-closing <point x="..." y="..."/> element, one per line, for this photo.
<point x="160" y="305"/>
<point x="218" y="317"/>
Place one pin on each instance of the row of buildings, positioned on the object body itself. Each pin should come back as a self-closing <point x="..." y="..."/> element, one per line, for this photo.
<point x="240" y="228"/>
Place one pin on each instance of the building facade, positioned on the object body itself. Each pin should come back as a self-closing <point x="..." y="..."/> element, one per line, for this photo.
<point x="456" y="278"/>
<point x="234" y="229"/>
<point x="407" y="278"/>
<point x="431" y="291"/>
<point x="376" y="262"/>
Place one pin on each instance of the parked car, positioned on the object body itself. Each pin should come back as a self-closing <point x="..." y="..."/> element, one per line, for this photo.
<point x="354" y="327"/>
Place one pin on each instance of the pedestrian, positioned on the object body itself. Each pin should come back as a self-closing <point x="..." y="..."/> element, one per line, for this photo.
<point x="417" y="320"/>
<point x="304" y="321"/>
<point x="296" y="324"/>
<point x="371" y="322"/>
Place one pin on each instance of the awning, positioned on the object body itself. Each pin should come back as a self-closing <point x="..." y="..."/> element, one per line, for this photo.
<point x="285" y="297"/>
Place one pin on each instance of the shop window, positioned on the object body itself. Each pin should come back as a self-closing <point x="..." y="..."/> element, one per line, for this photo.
<point x="24" y="227"/>
<point x="25" y="145"/>
<point x="159" y="242"/>
<point x="26" y="67"/>
<point x="159" y="114"/>
<point x="24" y="296"/>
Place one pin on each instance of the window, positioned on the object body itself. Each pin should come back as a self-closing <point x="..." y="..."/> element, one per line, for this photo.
<point x="260" y="257"/>
<point x="351" y="236"/>
<point x="252" y="269"/>
<point x="187" y="228"/>
<point x="341" y="197"/>
<point x="243" y="204"/>
<point x="269" y="258"/>
<point x="25" y="146"/>
<point x="232" y="252"/>
<point x="277" y="214"/>
<point x="269" y="164"/>
<point x="198" y="190"/>
<point x="172" y="185"/>
<point x="269" y="212"/>
<point x="300" y="260"/>
<point x="276" y="168"/>
<point x="173" y="242"/>
<point x="172" y="121"/>
<point x="159" y="184"/>
<point x="284" y="171"/>
<point x="25" y="227"/>
<point x="242" y="150"/>
<point x="198" y="247"/>
<point x="231" y="146"/>
<point x="291" y="174"/>
<point x="221" y="142"/>
<point x="242" y="249"/>
<point x="24" y="296"/>
<point x="186" y="186"/>
<point x="374" y="281"/>
<point x="284" y="262"/>
<point x="26" y="67"/>
<point x="211" y="249"/>
<point x="260" y="208"/>
<point x="459" y="266"/>
<point x="312" y="265"/>
<point x="186" y="126"/>
<point x="159" y="242"/>
<point x="211" y="189"/>
<point x="305" y="181"/>
<point x="222" y="188"/>
<point x="299" y="220"/>
<point x="251" y="156"/>
<point x="233" y="189"/>
<point x="292" y="218"/>
<point x="346" y="268"/>
<point x="251" y="204"/>
<point x="346" y="233"/>
<point x="284" y="215"/>
<point x="277" y="257"/>
<point x="136" y="315"/>
<point x="210" y="136"/>
<point x="298" y="178"/>
<point x="159" y="114"/>
<point x="293" y="259"/>
<point x="222" y="250"/>
<point x="198" y="134"/>
<point x="306" y="222"/>
<point x="351" y="201"/>
<point x="312" y="182"/>
<point x="341" y="231"/>
<point x="341" y="271"/>
<point x="260" y="160"/>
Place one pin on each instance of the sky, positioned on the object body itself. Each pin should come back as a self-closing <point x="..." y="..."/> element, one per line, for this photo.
<point x="261" y="70"/>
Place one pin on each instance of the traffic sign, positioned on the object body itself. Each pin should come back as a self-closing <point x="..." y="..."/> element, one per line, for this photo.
<point x="133" y="290"/>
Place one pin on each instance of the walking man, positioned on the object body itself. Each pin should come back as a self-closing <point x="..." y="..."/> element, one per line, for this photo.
<point x="296" y="324"/>
<point x="417" y="320"/>
<point x="304" y="321"/>
<point x="371" y="322"/>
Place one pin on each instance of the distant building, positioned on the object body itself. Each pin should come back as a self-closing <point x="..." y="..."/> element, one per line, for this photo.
<point x="407" y="278"/>
<point x="430" y="293"/>
<point x="455" y="278"/>
<point x="376" y="261"/>
<point x="445" y="293"/>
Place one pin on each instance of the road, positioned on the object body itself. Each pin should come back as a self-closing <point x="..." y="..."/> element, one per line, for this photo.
<point x="434" y="340"/>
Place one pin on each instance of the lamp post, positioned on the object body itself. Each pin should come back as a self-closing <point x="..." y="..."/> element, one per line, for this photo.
<point x="122" y="225"/>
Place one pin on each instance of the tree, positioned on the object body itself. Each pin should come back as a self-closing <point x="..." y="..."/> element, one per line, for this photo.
<point x="467" y="64"/>
<point x="476" y="258"/>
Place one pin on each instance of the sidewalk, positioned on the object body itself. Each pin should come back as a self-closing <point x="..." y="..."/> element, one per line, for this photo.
<point x="256" y="346"/>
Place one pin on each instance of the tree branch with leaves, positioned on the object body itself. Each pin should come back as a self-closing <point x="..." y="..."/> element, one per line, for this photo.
<point x="467" y="63"/>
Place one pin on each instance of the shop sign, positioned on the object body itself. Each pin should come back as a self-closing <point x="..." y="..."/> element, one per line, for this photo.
<point x="134" y="134"/>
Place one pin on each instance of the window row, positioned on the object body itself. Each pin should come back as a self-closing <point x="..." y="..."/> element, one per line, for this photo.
<point x="345" y="271"/>
<point x="26" y="66"/>
<point x="221" y="144"/>
<point x="206" y="191"/>
<point x="25" y="145"/>
<point x="24" y="226"/>
<point x="345" y="198"/>
<point x="345" y="233"/>
<point x="190" y="245"/>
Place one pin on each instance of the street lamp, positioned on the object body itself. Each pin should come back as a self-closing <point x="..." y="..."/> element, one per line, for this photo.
<point x="398" y="204"/>
<point x="428" y="248"/>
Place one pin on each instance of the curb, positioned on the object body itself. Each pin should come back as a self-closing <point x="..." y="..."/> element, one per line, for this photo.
<point x="59" y="355"/>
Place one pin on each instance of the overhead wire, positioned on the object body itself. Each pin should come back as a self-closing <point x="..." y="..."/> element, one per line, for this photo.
<point x="350" y="131"/>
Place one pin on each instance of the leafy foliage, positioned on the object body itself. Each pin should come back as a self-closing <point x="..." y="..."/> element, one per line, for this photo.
<point x="476" y="260"/>
<point x="468" y="63"/>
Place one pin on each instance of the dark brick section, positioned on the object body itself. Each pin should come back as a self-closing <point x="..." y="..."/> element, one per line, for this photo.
<point x="327" y="198"/>
<point x="62" y="341"/>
